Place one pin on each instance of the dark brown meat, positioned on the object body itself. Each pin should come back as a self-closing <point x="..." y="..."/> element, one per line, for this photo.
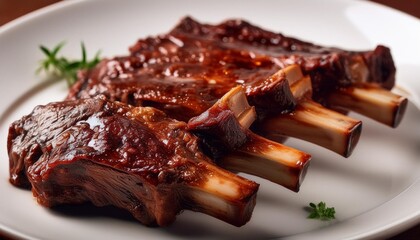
<point x="330" y="68"/>
<point x="187" y="70"/>
<point x="334" y="73"/>
<point x="134" y="158"/>
<point x="184" y="77"/>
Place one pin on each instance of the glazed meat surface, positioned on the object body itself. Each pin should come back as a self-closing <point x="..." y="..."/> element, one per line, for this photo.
<point x="188" y="69"/>
<point x="185" y="76"/>
<point x="109" y="153"/>
<point x="330" y="68"/>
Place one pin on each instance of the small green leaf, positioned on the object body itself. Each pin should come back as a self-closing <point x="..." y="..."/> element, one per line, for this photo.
<point x="321" y="211"/>
<point x="83" y="54"/>
<point x="64" y="68"/>
<point x="57" y="49"/>
<point x="313" y="215"/>
<point x="45" y="50"/>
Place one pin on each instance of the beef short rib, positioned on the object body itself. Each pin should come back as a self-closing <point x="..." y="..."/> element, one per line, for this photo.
<point x="135" y="158"/>
<point x="187" y="78"/>
<point x="330" y="68"/>
<point x="193" y="65"/>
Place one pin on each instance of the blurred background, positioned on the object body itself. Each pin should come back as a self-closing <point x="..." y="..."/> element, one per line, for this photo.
<point x="11" y="9"/>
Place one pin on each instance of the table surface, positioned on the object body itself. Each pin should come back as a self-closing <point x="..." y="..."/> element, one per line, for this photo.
<point x="10" y="10"/>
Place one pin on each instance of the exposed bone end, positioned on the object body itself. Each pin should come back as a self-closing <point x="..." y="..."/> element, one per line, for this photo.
<point x="293" y="73"/>
<point x="222" y="128"/>
<point x="236" y="101"/>
<point x="371" y="101"/>
<point x="399" y="112"/>
<point x="252" y="154"/>
<point x="312" y="122"/>
<point x="267" y="159"/>
<point x="302" y="88"/>
<point x="223" y="195"/>
<point x="247" y="117"/>
<point x="270" y="160"/>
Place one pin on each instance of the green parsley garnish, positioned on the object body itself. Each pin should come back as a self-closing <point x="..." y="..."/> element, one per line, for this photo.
<point x="64" y="68"/>
<point x="321" y="211"/>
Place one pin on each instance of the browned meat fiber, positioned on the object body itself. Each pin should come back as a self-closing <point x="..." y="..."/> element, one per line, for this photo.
<point x="330" y="68"/>
<point x="189" y="68"/>
<point x="135" y="158"/>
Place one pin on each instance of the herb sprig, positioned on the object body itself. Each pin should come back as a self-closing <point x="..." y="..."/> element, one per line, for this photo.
<point x="321" y="211"/>
<point x="63" y="67"/>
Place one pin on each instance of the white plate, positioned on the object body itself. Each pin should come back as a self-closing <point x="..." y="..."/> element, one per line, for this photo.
<point x="375" y="191"/>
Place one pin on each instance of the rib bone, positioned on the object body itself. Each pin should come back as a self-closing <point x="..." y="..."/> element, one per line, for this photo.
<point x="270" y="160"/>
<point x="223" y="195"/>
<point x="252" y="154"/>
<point x="371" y="101"/>
<point x="312" y="122"/>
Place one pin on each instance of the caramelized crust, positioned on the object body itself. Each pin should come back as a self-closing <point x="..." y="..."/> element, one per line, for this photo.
<point x="135" y="158"/>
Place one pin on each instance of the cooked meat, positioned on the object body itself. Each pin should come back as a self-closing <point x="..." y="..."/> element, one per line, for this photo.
<point x="183" y="72"/>
<point x="135" y="158"/>
<point x="330" y="68"/>
<point x="185" y="77"/>
<point x="92" y="148"/>
<point x="189" y="68"/>
<point x="349" y="80"/>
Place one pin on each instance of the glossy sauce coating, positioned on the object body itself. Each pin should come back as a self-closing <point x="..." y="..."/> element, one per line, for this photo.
<point x="143" y="141"/>
<point x="330" y="68"/>
<point x="239" y="33"/>
<point x="185" y="71"/>
<point x="110" y="153"/>
<point x="187" y="74"/>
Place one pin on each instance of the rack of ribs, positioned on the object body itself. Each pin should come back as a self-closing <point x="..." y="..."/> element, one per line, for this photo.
<point x="152" y="132"/>
<point x="184" y="72"/>
<point x="353" y="80"/>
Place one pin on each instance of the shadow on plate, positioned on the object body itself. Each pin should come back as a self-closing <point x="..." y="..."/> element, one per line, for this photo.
<point x="88" y="210"/>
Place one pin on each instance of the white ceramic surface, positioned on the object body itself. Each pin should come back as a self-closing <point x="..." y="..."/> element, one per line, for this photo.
<point x="375" y="191"/>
